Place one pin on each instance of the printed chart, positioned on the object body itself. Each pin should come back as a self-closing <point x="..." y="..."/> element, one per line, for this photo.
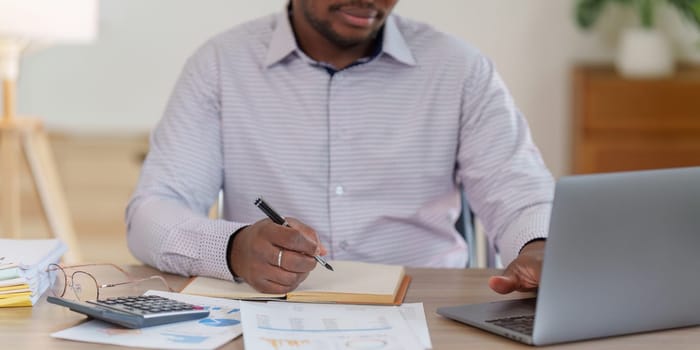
<point x="222" y="325"/>
<point x="280" y="327"/>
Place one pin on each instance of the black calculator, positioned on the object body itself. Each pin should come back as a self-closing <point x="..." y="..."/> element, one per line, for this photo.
<point x="135" y="311"/>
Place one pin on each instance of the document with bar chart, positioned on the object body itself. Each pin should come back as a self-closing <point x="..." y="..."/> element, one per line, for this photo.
<point x="310" y="326"/>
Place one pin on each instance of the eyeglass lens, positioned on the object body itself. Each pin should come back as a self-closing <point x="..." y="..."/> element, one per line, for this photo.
<point x="84" y="286"/>
<point x="57" y="277"/>
<point x="79" y="285"/>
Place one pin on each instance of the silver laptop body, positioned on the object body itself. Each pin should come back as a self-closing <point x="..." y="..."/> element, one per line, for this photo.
<point x="623" y="256"/>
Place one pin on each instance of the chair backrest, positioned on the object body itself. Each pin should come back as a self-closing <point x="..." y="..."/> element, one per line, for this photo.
<point x="466" y="226"/>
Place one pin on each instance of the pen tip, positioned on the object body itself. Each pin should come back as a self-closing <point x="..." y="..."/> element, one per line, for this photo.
<point x="328" y="266"/>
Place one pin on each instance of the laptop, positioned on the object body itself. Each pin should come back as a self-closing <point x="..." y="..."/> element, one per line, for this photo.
<point x="623" y="256"/>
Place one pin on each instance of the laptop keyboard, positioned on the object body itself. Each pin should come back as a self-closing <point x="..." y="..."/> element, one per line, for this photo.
<point x="520" y="324"/>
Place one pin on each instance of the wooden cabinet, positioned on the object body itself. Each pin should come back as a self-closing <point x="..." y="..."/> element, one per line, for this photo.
<point x="626" y="124"/>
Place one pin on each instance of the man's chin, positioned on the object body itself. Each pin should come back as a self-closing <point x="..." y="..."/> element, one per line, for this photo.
<point x="351" y="39"/>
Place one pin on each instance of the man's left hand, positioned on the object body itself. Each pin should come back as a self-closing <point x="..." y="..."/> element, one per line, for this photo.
<point x="523" y="274"/>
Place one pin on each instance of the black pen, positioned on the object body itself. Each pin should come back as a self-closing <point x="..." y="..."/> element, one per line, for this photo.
<point x="278" y="219"/>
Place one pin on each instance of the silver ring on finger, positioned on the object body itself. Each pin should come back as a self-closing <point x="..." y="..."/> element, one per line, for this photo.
<point x="279" y="258"/>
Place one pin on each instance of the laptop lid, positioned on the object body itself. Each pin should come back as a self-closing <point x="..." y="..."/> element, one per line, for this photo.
<point x="623" y="255"/>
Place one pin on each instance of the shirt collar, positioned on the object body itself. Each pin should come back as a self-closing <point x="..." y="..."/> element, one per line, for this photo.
<point x="394" y="43"/>
<point x="283" y="42"/>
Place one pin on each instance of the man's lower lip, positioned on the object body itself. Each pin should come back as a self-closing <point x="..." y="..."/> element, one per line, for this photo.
<point x="357" y="21"/>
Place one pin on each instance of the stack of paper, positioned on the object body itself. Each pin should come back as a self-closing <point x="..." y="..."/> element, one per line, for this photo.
<point x="23" y="264"/>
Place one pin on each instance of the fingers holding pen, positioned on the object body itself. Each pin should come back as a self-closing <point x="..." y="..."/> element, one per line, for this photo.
<point x="309" y="233"/>
<point x="267" y="256"/>
<point x="290" y="238"/>
<point x="275" y="255"/>
<point x="296" y="248"/>
<point x="294" y="242"/>
<point x="292" y="261"/>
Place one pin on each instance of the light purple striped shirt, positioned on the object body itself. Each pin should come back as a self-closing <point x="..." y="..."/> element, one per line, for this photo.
<point x="372" y="157"/>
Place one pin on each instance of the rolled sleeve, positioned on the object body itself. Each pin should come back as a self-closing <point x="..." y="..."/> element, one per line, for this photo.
<point x="180" y="241"/>
<point x="167" y="222"/>
<point x="508" y="185"/>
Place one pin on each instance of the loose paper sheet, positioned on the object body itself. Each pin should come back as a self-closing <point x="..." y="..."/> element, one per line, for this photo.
<point x="299" y="326"/>
<point x="222" y="326"/>
<point x="413" y="313"/>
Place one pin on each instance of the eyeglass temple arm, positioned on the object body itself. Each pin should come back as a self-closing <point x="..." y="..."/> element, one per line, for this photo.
<point x="136" y="281"/>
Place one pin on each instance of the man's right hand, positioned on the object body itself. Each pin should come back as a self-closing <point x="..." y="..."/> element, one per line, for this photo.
<point x="255" y="254"/>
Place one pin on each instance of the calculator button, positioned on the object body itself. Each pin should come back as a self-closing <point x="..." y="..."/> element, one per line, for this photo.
<point x="145" y="305"/>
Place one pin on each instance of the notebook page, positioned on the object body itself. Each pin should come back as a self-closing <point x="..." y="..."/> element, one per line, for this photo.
<point x="352" y="277"/>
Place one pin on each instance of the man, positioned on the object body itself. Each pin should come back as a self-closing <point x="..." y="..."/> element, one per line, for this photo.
<point x="359" y="127"/>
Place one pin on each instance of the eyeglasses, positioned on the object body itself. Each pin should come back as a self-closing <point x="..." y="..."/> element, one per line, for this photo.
<point x="85" y="285"/>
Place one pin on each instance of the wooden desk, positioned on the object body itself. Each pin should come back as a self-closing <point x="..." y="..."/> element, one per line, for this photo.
<point x="29" y="328"/>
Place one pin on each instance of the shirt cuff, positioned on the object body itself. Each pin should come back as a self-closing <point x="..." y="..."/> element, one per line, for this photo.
<point x="214" y="257"/>
<point x="531" y="224"/>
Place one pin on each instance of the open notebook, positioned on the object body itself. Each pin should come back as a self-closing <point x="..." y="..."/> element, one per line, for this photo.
<point x="352" y="282"/>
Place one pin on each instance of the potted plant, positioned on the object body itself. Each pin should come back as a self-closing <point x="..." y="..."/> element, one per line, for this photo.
<point x="644" y="51"/>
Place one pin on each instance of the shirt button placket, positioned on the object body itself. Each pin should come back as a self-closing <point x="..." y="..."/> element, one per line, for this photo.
<point x="335" y="188"/>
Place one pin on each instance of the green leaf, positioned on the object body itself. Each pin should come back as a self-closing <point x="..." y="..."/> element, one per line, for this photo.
<point x="646" y="13"/>
<point x="588" y="11"/>
<point x="690" y="9"/>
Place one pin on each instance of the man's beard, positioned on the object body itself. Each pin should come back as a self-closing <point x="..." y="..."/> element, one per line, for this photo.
<point x="326" y="29"/>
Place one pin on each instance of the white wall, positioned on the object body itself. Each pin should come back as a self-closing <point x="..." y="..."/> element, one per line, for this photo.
<point x="121" y="82"/>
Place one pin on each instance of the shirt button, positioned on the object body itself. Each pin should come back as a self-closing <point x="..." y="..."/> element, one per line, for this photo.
<point x="344" y="245"/>
<point x="339" y="190"/>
